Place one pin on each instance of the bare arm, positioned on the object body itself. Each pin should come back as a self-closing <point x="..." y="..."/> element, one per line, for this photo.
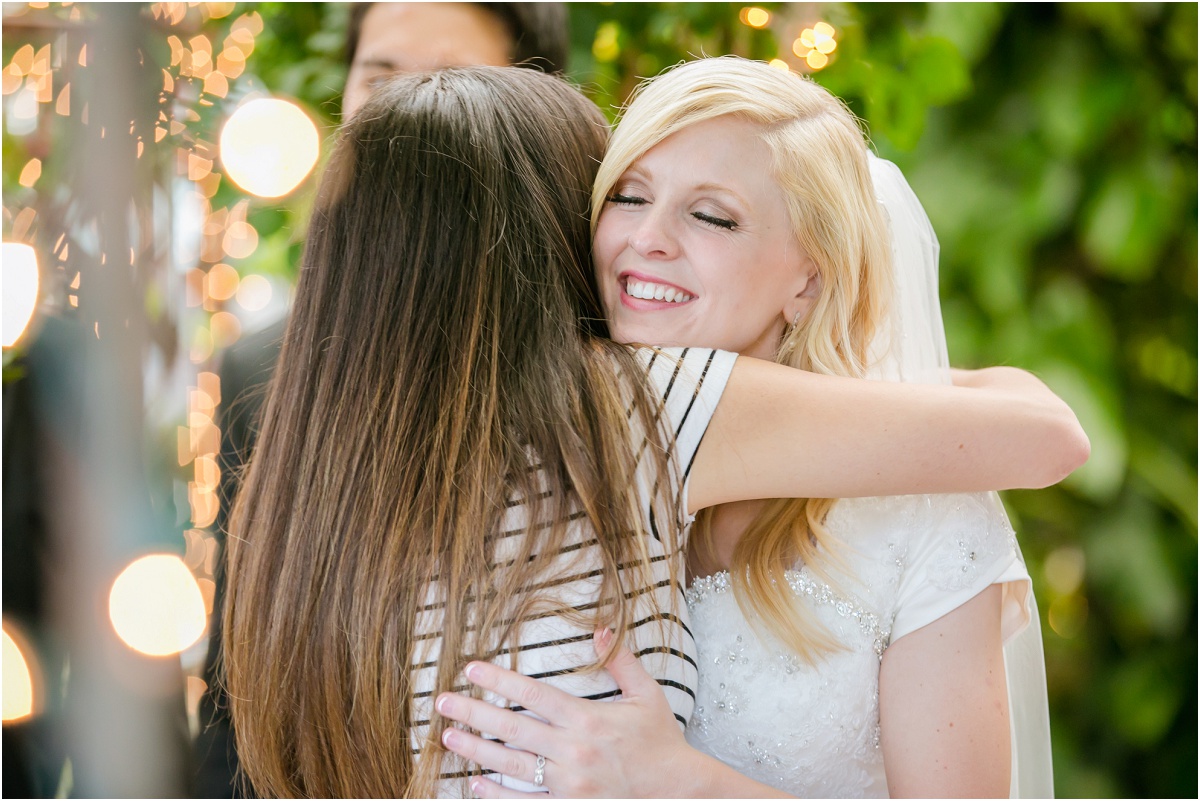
<point x="943" y="706"/>
<point x="779" y="432"/>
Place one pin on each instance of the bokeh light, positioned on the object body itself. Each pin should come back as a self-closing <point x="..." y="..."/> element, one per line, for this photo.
<point x="754" y="17"/>
<point x="222" y="282"/>
<point x="779" y="64"/>
<point x="268" y="146"/>
<point x="815" y="44"/>
<point x="240" y="240"/>
<point x="156" y="606"/>
<point x="19" y="697"/>
<point x="20" y="290"/>
<point x="254" y="293"/>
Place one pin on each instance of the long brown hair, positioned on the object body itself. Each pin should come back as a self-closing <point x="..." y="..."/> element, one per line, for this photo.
<point x="443" y="337"/>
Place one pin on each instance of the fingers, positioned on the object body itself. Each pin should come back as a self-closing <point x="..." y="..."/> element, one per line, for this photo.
<point x="521" y="731"/>
<point x="540" y="698"/>
<point x="486" y="788"/>
<point x="490" y="755"/>
<point x="624" y="667"/>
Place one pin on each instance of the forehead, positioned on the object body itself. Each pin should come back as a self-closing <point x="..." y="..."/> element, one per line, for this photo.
<point x="726" y="150"/>
<point x="419" y="36"/>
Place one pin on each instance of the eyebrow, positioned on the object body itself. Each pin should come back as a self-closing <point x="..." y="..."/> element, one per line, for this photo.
<point x="378" y="62"/>
<point x="708" y="186"/>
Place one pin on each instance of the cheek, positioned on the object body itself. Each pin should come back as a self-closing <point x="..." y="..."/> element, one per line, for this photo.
<point x="604" y="247"/>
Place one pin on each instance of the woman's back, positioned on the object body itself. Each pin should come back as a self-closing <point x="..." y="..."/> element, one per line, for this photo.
<point x="446" y="470"/>
<point x="554" y="644"/>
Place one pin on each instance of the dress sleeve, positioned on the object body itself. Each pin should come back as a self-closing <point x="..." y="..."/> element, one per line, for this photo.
<point x="686" y="384"/>
<point x="960" y="545"/>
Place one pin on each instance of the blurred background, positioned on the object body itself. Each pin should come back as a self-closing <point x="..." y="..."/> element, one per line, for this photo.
<point x="158" y="164"/>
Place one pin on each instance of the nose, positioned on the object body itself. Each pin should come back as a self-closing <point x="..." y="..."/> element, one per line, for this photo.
<point x="653" y="237"/>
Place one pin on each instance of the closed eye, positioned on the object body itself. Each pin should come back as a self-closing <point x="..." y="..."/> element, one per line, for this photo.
<point x="718" y="222"/>
<point x="626" y="200"/>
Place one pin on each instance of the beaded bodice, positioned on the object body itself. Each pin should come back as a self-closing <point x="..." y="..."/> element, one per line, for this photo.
<point x="813" y="731"/>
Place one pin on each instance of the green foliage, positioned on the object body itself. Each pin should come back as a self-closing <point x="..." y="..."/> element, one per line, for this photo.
<point x="1054" y="148"/>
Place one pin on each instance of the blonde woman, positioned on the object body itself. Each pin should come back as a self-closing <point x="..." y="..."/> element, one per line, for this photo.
<point x="847" y="648"/>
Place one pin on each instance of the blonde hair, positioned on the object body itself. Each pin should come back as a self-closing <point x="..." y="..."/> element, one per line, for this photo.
<point x="819" y="157"/>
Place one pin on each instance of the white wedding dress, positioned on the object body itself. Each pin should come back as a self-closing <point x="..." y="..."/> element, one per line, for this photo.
<point x="814" y="731"/>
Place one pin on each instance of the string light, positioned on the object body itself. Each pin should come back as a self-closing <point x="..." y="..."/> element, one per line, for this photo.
<point x="156" y="606"/>
<point x="754" y="17"/>
<point x="20" y="696"/>
<point x="815" y="44"/>
<point x="20" y="290"/>
<point x="268" y="146"/>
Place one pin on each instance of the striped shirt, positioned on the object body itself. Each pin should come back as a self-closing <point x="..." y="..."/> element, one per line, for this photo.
<point x="685" y="385"/>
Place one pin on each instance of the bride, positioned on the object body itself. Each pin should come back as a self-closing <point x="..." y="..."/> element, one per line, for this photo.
<point x="866" y="647"/>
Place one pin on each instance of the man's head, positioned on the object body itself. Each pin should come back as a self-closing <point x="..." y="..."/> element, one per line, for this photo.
<point x="386" y="38"/>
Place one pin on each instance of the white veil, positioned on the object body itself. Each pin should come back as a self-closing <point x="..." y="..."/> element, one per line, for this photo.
<point x="912" y="348"/>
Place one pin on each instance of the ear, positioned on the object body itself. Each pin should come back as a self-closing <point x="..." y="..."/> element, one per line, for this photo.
<point x="808" y="289"/>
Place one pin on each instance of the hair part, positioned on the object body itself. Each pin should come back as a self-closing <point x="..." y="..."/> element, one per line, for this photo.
<point x="819" y="160"/>
<point x="442" y="338"/>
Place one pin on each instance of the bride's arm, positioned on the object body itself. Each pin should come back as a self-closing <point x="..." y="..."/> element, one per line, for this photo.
<point x="943" y="706"/>
<point x="779" y="433"/>
<point x="628" y="748"/>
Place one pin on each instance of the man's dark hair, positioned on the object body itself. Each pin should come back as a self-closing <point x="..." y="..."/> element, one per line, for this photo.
<point x="538" y="31"/>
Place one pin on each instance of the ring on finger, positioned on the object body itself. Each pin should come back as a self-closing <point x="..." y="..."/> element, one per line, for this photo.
<point x="539" y="771"/>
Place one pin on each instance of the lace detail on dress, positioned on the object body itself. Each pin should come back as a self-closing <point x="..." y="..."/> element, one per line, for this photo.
<point x="759" y="707"/>
<point x="821" y="593"/>
<point x="978" y="539"/>
<point x="818" y="592"/>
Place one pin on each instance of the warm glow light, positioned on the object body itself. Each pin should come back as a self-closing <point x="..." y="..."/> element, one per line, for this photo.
<point x="156" y="606"/>
<point x="30" y="173"/>
<point x="240" y="240"/>
<point x="815" y="44"/>
<point x="254" y="293"/>
<point x="226" y="328"/>
<point x="204" y="505"/>
<point x="12" y="79"/>
<point x="18" y="682"/>
<point x="221" y="282"/>
<point x="779" y="64"/>
<point x="20" y="290"/>
<point x="22" y="60"/>
<point x="268" y="146"/>
<point x="219" y="10"/>
<point x="754" y="17"/>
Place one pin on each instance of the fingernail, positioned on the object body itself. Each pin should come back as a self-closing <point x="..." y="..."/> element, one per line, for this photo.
<point x="472" y="671"/>
<point x="441" y="703"/>
<point x="450" y="738"/>
<point x="476" y="786"/>
<point x="604" y="636"/>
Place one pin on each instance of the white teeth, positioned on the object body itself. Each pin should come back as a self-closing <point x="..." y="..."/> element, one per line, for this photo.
<point x="648" y="291"/>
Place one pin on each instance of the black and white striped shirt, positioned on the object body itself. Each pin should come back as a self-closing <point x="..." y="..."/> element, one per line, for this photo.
<point x="687" y="384"/>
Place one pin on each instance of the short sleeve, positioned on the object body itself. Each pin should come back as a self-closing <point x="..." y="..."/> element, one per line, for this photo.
<point x="960" y="545"/>
<point x="687" y="384"/>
